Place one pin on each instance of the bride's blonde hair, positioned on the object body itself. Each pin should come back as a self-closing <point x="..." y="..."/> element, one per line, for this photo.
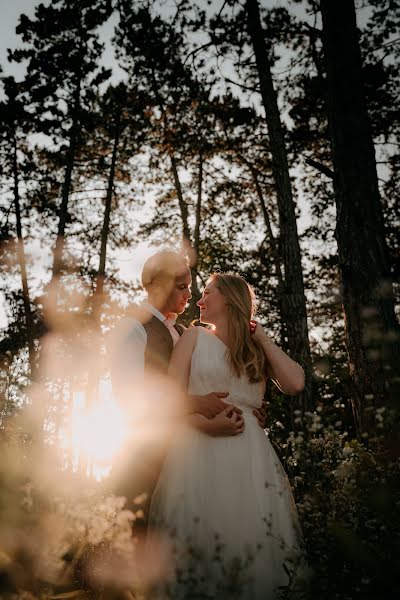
<point x="245" y="355"/>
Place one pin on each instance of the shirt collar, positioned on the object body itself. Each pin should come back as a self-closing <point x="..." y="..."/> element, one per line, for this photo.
<point x="154" y="311"/>
<point x="171" y="320"/>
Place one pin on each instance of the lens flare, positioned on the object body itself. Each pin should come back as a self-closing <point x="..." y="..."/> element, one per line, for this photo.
<point x="97" y="433"/>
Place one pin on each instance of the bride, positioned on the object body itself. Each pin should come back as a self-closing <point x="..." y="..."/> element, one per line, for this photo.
<point x="223" y="498"/>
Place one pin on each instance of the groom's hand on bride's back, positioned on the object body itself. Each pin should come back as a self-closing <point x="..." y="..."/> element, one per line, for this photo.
<point x="260" y="413"/>
<point x="212" y="404"/>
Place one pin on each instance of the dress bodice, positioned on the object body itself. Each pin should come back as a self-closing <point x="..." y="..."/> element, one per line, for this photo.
<point x="210" y="372"/>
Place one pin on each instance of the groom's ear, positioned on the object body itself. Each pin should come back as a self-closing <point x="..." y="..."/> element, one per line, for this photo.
<point x="163" y="287"/>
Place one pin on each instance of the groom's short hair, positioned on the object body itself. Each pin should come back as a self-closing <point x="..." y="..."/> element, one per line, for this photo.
<point x="163" y="267"/>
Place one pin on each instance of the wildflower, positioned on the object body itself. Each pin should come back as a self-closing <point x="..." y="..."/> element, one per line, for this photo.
<point x="347" y="451"/>
<point x="344" y="470"/>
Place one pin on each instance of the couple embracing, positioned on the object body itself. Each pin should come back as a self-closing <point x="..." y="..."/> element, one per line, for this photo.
<point x="218" y="493"/>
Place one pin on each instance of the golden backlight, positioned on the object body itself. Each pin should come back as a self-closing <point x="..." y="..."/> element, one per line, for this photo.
<point x="98" y="432"/>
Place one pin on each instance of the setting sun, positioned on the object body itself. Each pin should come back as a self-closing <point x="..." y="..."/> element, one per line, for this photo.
<point x="98" y="432"/>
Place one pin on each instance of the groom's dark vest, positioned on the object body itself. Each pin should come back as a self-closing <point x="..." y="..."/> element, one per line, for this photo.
<point x="159" y="344"/>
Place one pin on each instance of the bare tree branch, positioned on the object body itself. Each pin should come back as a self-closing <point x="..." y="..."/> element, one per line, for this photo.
<point x="320" y="167"/>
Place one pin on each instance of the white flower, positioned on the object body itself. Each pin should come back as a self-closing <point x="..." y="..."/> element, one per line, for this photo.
<point x="344" y="470"/>
<point x="347" y="451"/>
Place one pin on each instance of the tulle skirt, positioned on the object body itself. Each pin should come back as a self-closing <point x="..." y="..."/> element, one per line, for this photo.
<point x="226" y="507"/>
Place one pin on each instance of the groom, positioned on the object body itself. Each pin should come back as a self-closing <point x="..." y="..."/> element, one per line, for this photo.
<point x="144" y="347"/>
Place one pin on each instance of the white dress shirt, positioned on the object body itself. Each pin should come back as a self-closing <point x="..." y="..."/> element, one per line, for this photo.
<point x="170" y="324"/>
<point x="134" y="339"/>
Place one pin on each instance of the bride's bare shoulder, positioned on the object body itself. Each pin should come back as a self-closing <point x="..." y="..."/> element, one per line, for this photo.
<point x="190" y="337"/>
<point x="184" y="349"/>
<point x="190" y="333"/>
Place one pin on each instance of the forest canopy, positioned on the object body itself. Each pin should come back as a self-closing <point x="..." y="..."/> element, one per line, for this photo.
<point x="257" y="137"/>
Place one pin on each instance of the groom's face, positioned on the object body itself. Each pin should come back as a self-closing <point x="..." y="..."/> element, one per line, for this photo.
<point x="180" y="292"/>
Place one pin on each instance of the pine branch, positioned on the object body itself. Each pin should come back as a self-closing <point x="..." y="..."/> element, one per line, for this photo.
<point x="313" y="31"/>
<point x="320" y="167"/>
<point x="243" y="87"/>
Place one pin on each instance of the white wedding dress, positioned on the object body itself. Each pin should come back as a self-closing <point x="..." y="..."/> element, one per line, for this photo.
<point x="226" y="502"/>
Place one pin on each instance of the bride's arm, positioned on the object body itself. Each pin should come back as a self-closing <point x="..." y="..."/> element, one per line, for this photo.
<point x="179" y="366"/>
<point x="179" y="369"/>
<point x="227" y="421"/>
<point x="286" y="373"/>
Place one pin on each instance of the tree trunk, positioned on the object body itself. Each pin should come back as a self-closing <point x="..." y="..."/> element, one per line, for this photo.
<point x="182" y="204"/>
<point x="191" y="312"/>
<point x="372" y="334"/>
<point x="22" y="261"/>
<point x="294" y="313"/>
<point x="198" y="208"/>
<point x="275" y="255"/>
<point x="106" y="221"/>
<point x="66" y="188"/>
<point x="92" y="388"/>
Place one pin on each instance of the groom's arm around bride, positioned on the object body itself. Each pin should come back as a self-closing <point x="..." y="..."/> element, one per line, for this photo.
<point x="208" y="413"/>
